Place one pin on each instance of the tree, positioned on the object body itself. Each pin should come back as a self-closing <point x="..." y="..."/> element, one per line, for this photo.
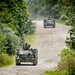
<point x="15" y="22"/>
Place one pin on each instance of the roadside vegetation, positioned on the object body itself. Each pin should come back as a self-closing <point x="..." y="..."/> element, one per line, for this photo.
<point x="63" y="11"/>
<point x="6" y="60"/>
<point x="53" y="73"/>
<point x="31" y="39"/>
<point x="15" y="24"/>
<point x="59" y="21"/>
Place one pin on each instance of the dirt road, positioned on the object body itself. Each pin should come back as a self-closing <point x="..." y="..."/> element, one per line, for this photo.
<point x="50" y="42"/>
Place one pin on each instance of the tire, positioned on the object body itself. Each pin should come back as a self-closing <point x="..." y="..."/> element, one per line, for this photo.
<point x="53" y="26"/>
<point x="18" y="62"/>
<point x="44" y="26"/>
<point x="35" y="61"/>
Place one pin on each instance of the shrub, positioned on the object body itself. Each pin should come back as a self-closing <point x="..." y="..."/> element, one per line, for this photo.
<point x="6" y="60"/>
<point x="67" y="22"/>
<point x="3" y="42"/>
<point x="13" y="43"/>
<point x="12" y="39"/>
<point x="9" y="41"/>
<point x="63" y="17"/>
<point x="56" y="8"/>
<point x="30" y="28"/>
<point x="67" y="63"/>
<point x="67" y="53"/>
<point x="67" y="66"/>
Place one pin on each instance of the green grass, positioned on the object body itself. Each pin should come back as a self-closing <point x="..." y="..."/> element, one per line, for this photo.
<point x="31" y="39"/>
<point x="60" y="21"/>
<point x="52" y="73"/>
<point x="6" y="60"/>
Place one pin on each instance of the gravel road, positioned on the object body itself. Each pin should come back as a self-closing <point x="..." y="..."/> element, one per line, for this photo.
<point x="50" y="42"/>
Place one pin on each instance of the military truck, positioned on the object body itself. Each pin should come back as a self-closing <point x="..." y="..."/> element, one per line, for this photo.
<point x="49" y="22"/>
<point x="26" y="55"/>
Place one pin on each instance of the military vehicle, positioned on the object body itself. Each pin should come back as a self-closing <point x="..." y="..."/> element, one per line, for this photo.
<point x="26" y="55"/>
<point x="49" y="22"/>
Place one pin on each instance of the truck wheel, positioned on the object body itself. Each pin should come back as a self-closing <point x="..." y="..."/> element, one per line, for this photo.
<point x="53" y="26"/>
<point x="18" y="62"/>
<point x="44" y="26"/>
<point x="34" y="61"/>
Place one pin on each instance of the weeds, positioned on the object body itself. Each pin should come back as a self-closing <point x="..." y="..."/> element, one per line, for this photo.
<point x="6" y="60"/>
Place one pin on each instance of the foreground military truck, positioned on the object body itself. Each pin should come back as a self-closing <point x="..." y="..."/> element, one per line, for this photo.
<point x="26" y="55"/>
<point x="49" y="22"/>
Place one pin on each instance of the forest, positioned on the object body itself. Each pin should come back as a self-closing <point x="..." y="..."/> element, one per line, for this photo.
<point x="16" y="22"/>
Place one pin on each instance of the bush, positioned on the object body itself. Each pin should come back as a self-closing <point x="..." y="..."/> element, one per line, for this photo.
<point x="63" y="17"/>
<point x="67" y="63"/>
<point x="12" y="39"/>
<point x="67" y="22"/>
<point x="9" y="41"/>
<point x="67" y="53"/>
<point x="3" y="42"/>
<point x="67" y="66"/>
<point x="30" y="29"/>
<point x="56" y="8"/>
<point x="13" y="43"/>
<point x="6" y="60"/>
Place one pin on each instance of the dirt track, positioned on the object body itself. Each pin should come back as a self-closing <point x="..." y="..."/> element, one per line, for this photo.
<point x="50" y="42"/>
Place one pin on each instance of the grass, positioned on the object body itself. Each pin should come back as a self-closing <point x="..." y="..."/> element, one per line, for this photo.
<point x="60" y="21"/>
<point x="6" y="60"/>
<point x="31" y="39"/>
<point x="53" y="73"/>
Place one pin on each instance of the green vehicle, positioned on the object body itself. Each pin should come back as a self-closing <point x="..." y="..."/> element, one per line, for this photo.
<point x="26" y="55"/>
<point x="49" y="22"/>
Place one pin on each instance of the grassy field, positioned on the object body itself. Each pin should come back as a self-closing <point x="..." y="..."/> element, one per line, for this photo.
<point x="31" y="39"/>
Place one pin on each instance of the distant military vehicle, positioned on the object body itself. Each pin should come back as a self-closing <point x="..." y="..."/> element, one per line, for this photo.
<point x="26" y="55"/>
<point x="49" y="22"/>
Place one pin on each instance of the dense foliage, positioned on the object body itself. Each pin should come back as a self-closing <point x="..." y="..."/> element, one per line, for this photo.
<point x="14" y="24"/>
<point x="54" y="8"/>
